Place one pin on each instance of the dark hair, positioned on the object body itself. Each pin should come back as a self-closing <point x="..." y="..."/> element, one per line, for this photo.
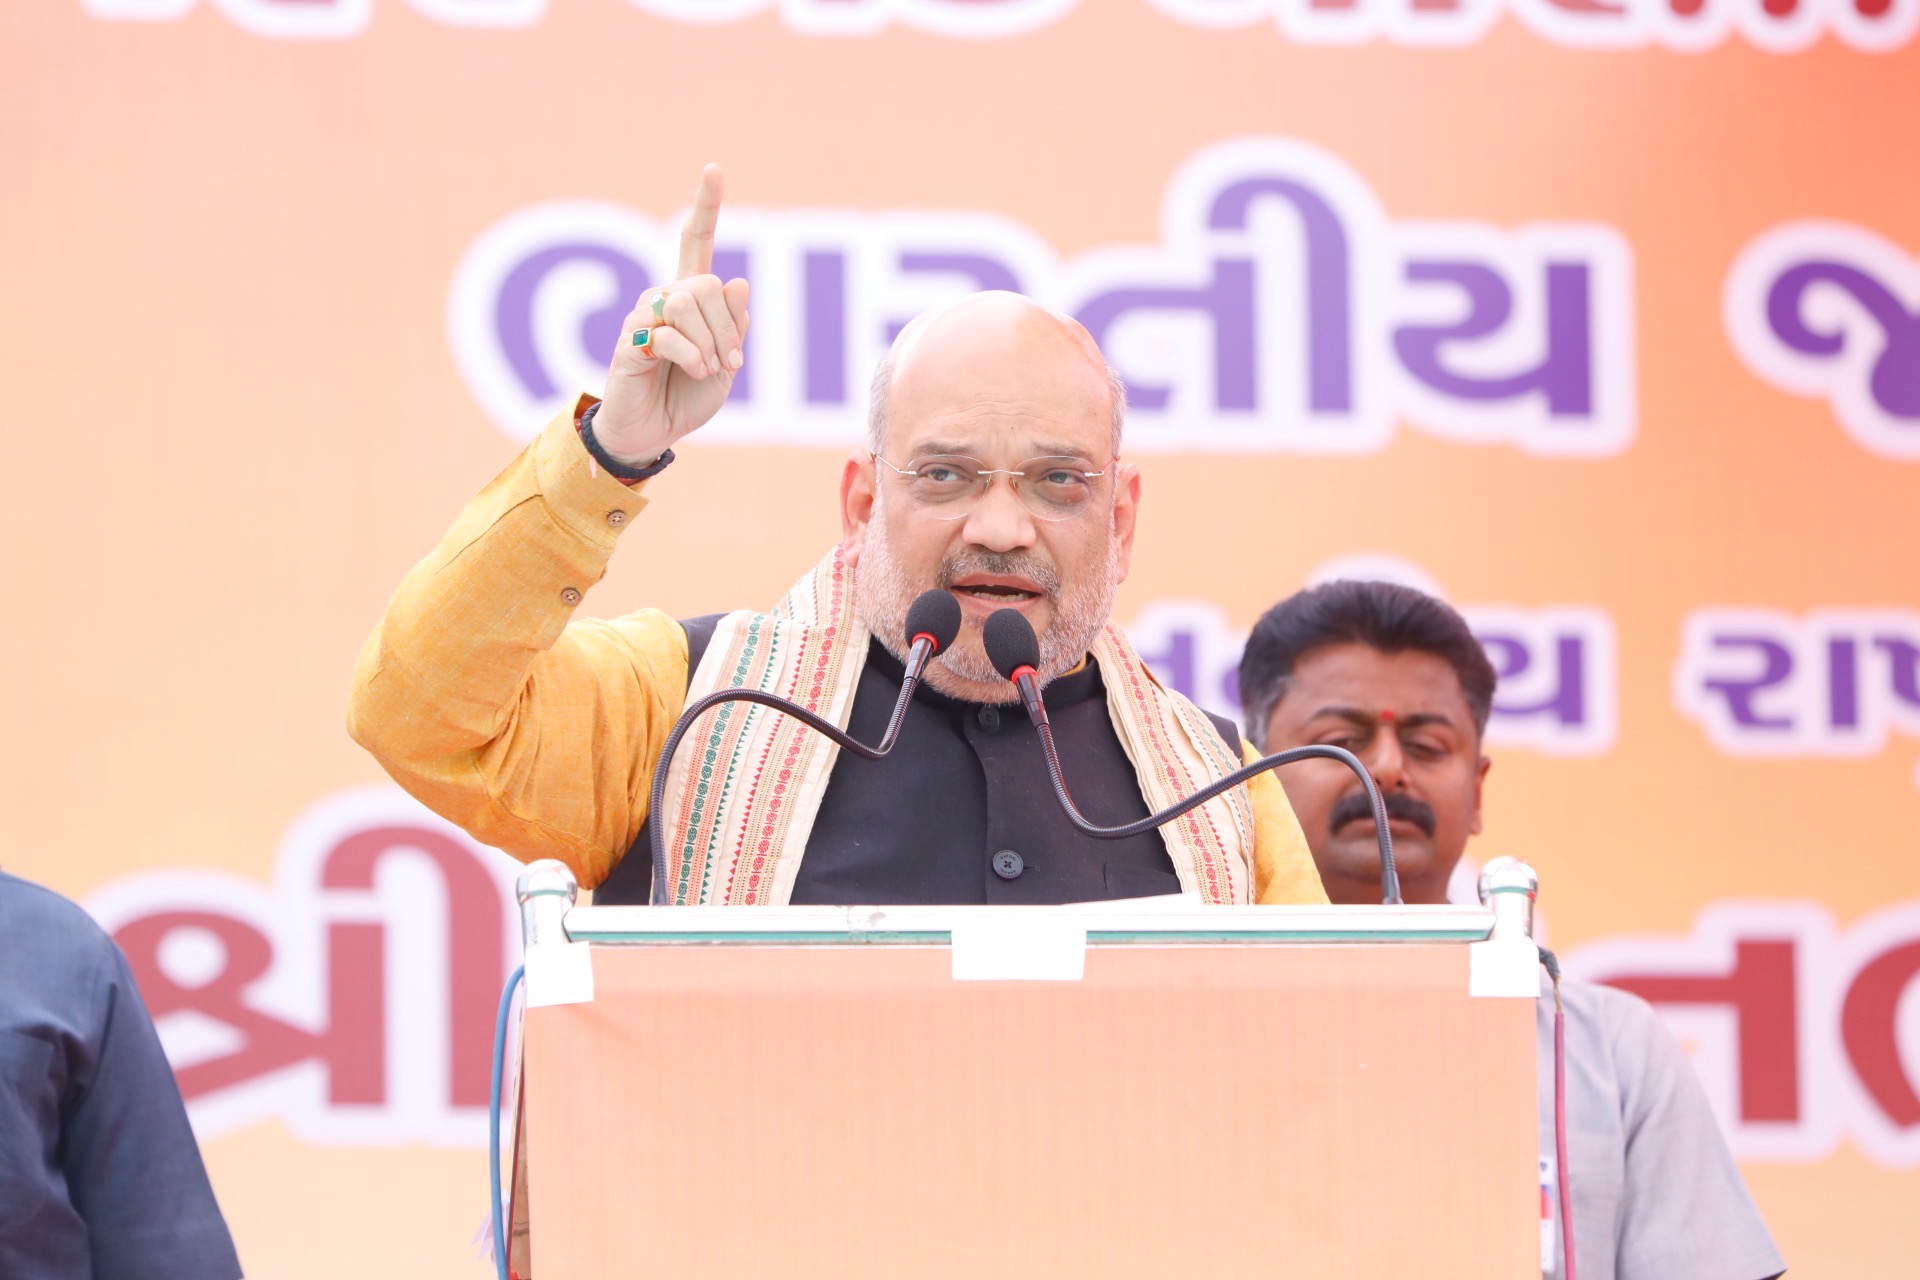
<point x="1382" y="615"/>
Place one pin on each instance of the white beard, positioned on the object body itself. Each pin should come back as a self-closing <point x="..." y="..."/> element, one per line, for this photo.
<point x="883" y="594"/>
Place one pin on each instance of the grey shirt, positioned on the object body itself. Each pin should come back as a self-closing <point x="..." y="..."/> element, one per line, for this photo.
<point x="1656" y="1194"/>
<point x="100" y="1177"/>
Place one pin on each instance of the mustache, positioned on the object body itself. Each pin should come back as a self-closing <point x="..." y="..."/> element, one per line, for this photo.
<point x="1012" y="564"/>
<point x="1355" y="806"/>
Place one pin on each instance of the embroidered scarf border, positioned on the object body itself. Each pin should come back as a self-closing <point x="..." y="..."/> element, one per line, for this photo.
<point x="1175" y="751"/>
<point x="746" y="785"/>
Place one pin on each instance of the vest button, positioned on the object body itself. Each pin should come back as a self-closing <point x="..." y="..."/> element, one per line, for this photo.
<point x="1008" y="865"/>
<point x="570" y="596"/>
<point x="988" y="718"/>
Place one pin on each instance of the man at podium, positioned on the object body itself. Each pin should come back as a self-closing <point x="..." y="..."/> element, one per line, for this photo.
<point x="993" y="471"/>
<point x="1395" y="676"/>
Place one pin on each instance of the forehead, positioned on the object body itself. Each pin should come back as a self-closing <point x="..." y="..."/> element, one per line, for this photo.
<point x="1001" y="381"/>
<point x="1357" y="675"/>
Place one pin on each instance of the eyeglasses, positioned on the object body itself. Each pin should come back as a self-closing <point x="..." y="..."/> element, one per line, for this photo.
<point x="950" y="486"/>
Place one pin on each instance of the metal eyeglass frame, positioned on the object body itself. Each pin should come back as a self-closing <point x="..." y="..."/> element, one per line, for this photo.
<point x="1014" y="476"/>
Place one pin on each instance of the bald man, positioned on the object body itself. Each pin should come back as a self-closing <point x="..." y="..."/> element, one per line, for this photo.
<point x="991" y="470"/>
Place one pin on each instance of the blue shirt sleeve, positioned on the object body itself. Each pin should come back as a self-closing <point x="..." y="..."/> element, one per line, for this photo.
<point x="100" y="1175"/>
<point x="133" y="1166"/>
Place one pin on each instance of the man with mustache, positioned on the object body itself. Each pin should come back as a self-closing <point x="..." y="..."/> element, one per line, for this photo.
<point x="993" y="470"/>
<point x="1394" y="676"/>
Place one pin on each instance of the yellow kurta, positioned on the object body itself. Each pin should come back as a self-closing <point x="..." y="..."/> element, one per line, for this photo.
<point x="538" y="734"/>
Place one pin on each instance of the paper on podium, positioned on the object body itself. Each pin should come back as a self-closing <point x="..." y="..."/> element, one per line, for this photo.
<point x="1043" y="948"/>
<point x="559" y="973"/>
<point x="1503" y="967"/>
<point x="1050" y="945"/>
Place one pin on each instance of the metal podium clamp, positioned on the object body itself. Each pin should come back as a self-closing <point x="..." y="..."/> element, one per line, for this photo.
<point x="559" y="970"/>
<point x="1509" y="886"/>
<point x="546" y="891"/>
<point x="555" y="970"/>
<point x="1508" y="962"/>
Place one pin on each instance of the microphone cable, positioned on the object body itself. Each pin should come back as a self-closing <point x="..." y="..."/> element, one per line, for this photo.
<point x="1562" y="1174"/>
<point x="500" y="1266"/>
<point x="1014" y="651"/>
<point x="933" y="621"/>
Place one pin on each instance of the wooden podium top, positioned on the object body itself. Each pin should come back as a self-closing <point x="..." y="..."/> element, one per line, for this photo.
<point x="773" y="1108"/>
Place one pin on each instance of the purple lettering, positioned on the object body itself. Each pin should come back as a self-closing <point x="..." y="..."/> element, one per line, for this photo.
<point x="1178" y="664"/>
<point x="826" y="329"/>
<point x="1227" y="301"/>
<point x="1740" y="694"/>
<point x="599" y="329"/>
<point x="1565" y="372"/>
<point x="1903" y="661"/>
<point x="1843" y="683"/>
<point x="1567" y="703"/>
<point x="1329" y="284"/>
<point x="735" y="264"/>
<point x="1895" y="380"/>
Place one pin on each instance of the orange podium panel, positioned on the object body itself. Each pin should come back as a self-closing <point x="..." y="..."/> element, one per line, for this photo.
<point x="815" y="1092"/>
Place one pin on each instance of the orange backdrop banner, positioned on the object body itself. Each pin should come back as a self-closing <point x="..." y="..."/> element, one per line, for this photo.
<point x="1601" y="317"/>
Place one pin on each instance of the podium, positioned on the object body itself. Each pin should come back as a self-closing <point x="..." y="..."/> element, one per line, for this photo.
<point x="1024" y="1092"/>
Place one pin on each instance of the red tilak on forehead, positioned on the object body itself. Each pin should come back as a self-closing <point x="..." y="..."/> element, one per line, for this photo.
<point x="1386" y="717"/>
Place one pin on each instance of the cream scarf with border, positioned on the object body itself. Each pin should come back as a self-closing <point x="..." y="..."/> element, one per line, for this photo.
<point x="746" y="784"/>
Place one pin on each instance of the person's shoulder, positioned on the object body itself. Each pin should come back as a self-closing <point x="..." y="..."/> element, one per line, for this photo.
<point x="30" y="901"/>
<point x="49" y="923"/>
<point x="1686" y="1212"/>
<point x="1642" y="1054"/>
<point x="1618" y="1013"/>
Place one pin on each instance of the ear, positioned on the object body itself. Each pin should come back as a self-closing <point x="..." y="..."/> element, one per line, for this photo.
<point x="856" y="503"/>
<point x="1479" y="783"/>
<point x="1126" y="512"/>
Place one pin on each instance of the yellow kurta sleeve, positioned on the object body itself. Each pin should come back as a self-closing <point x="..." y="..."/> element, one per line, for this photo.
<point x="483" y="699"/>
<point x="1283" y="870"/>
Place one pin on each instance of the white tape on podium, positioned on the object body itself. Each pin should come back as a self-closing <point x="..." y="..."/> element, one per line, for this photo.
<point x="1042" y="950"/>
<point x="559" y="973"/>
<point x="1503" y="967"/>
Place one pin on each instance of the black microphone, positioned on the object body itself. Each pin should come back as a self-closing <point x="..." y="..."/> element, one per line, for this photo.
<point x="1014" y="651"/>
<point x="933" y="620"/>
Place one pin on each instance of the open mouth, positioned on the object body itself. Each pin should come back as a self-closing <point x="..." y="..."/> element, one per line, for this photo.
<point x="1001" y="591"/>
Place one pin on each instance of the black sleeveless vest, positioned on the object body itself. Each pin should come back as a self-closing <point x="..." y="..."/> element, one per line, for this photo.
<point x="962" y="810"/>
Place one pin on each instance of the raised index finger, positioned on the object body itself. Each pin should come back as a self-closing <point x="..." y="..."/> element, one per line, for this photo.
<point x="696" y="238"/>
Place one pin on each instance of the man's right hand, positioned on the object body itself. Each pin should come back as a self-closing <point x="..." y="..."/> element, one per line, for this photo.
<point x="659" y="393"/>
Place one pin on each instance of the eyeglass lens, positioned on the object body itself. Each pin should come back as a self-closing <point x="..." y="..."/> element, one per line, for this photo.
<point x="1051" y="488"/>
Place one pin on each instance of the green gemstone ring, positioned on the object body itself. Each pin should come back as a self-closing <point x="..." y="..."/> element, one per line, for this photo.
<point x="643" y="338"/>
<point x="660" y="305"/>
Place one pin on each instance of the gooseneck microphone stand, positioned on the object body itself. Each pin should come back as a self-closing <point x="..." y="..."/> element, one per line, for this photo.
<point x="1015" y="652"/>
<point x="932" y="623"/>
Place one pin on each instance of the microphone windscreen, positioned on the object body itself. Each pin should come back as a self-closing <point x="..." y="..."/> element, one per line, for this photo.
<point x="936" y="614"/>
<point x="1010" y="642"/>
